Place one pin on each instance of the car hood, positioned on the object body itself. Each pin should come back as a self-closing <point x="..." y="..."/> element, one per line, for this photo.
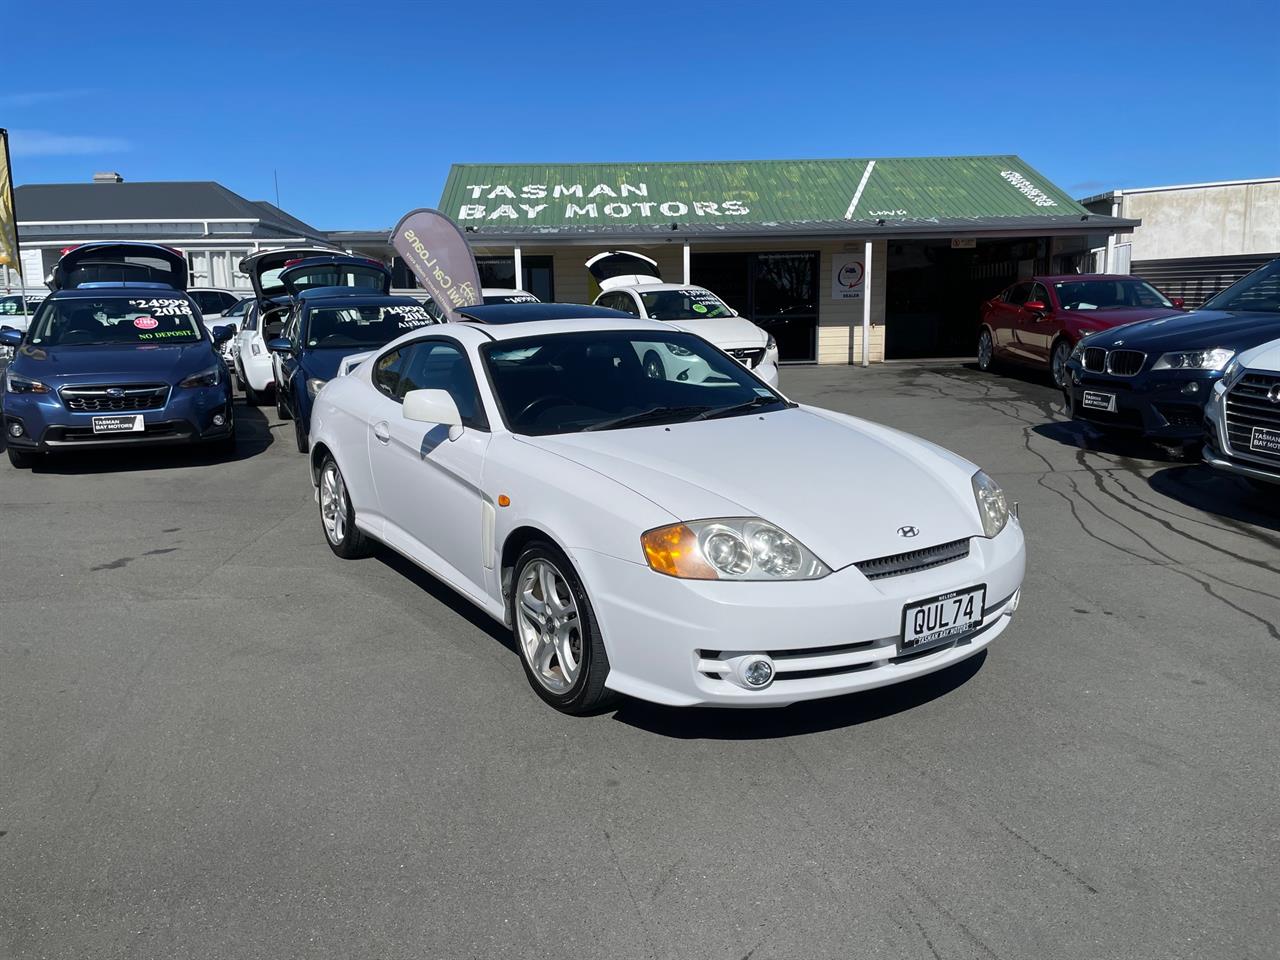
<point x="1193" y="331"/>
<point x="1264" y="357"/>
<point x="115" y="363"/>
<point x="1118" y="316"/>
<point x="840" y="485"/>
<point x="724" y="332"/>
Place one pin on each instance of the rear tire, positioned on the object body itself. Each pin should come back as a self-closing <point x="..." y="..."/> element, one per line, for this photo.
<point x="281" y="410"/>
<point x="338" y="517"/>
<point x="986" y="351"/>
<point x="300" y="436"/>
<point x="22" y="459"/>
<point x="255" y="398"/>
<point x="556" y="632"/>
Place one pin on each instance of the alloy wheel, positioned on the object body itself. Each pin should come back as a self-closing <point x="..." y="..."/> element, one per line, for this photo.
<point x="333" y="503"/>
<point x="1058" y="364"/>
<point x="549" y="626"/>
<point x="984" y="350"/>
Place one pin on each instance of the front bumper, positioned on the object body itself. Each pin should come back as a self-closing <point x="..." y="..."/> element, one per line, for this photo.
<point x="187" y="417"/>
<point x="1166" y="407"/>
<point x="1221" y="454"/>
<point x="826" y="637"/>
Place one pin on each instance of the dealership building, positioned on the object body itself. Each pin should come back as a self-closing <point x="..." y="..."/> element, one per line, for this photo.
<point x="842" y="260"/>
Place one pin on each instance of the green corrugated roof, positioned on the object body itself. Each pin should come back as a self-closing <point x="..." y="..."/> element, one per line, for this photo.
<point x="764" y="192"/>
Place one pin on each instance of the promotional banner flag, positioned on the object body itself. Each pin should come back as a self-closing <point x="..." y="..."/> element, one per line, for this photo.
<point x="8" y="220"/>
<point x="437" y="252"/>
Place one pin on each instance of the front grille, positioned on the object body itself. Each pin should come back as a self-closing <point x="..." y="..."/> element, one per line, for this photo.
<point x="1125" y="363"/>
<point x="1249" y="405"/>
<point x="748" y="358"/>
<point x="115" y="397"/>
<point x="1118" y="363"/>
<point x="914" y="560"/>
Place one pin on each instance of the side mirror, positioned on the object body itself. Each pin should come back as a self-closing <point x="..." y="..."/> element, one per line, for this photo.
<point x="280" y="345"/>
<point x="432" y="406"/>
<point x="10" y="337"/>
<point x="222" y="334"/>
<point x="1035" y="306"/>
<point x="1179" y="303"/>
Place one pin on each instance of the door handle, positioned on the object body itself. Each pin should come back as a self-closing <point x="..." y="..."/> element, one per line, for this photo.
<point x="382" y="431"/>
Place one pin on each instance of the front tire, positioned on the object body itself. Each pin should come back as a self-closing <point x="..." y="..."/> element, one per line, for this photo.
<point x="300" y="436"/>
<point x="653" y="367"/>
<point x="338" y="517"/>
<point x="986" y="350"/>
<point x="556" y="632"/>
<point x="281" y="410"/>
<point x="1058" y="363"/>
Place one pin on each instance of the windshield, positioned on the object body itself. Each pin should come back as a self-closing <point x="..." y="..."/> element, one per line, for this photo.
<point x="610" y="380"/>
<point x="1259" y="292"/>
<point x="693" y="303"/>
<point x="1109" y="294"/>
<point x="362" y="326"/>
<point x="134" y="320"/>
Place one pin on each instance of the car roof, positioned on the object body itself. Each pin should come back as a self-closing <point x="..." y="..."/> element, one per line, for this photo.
<point x="655" y="287"/>
<point x="624" y="322"/>
<point x="505" y="313"/>
<point x="135" y="291"/>
<point x="326" y="297"/>
<point x="1066" y="277"/>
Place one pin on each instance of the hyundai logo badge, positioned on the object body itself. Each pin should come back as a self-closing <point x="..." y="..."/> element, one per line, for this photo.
<point x="115" y="391"/>
<point x="908" y="531"/>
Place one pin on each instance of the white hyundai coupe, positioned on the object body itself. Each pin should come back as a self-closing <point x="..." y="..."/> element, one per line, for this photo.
<point x="681" y="542"/>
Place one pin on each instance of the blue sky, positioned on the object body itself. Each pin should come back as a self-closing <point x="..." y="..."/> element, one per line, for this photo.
<point x="361" y="108"/>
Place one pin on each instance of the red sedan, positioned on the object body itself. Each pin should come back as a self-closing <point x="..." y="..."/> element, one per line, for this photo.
<point x="1039" y="321"/>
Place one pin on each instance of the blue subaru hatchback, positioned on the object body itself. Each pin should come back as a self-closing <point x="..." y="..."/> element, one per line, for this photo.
<point x="116" y="356"/>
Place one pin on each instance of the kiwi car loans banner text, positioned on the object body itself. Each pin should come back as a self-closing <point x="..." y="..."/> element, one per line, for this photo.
<point x="8" y="221"/>
<point x="437" y="252"/>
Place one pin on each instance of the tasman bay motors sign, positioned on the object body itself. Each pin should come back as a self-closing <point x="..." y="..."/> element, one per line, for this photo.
<point x="566" y="202"/>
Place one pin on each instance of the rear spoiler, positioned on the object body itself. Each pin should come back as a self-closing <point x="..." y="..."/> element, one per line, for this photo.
<point x="350" y="363"/>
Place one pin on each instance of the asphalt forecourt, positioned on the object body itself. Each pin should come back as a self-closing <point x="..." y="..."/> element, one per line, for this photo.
<point x="221" y="740"/>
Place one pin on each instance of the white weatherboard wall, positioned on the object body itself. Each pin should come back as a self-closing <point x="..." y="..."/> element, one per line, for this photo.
<point x="839" y="321"/>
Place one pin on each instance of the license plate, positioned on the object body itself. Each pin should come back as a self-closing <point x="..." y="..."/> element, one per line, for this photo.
<point x="130" y="424"/>
<point x="927" y="623"/>
<point x="1094" y="400"/>
<point x="1265" y="441"/>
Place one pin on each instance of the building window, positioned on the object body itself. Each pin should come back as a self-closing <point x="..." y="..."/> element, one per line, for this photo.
<point x="776" y="291"/>
<point x="539" y="277"/>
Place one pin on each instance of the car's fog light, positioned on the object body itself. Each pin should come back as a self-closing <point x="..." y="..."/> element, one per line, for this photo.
<point x="757" y="672"/>
<point x="15" y="429"/>
<point x="1191" y="387"/>
<point x="219" y="419"/>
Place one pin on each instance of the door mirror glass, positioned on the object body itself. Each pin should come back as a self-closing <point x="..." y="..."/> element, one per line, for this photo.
<point x="431" y="406"/>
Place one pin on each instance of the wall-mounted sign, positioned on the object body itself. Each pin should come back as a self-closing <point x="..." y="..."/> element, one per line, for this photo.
<point x="963" y="243"/>
<point x="847" y="275"/>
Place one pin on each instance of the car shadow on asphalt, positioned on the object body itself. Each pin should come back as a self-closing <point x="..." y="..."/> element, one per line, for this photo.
<point x="444" y="594"/>
<point x="1087" y="438"/>
<point x="253" y="436"/>
<point x="1201" y="487"/>
<point x="814" y="716"/>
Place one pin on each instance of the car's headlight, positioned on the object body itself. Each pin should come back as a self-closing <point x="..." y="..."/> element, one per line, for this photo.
<point x="678" y="350"/>
<point x="734" y="548"/>
<point x="992" y="505"/>
<point x="205" y="378"/>
<point x="17" y="383"/>
<point x="1214" y="359"/>
<point x="313" y="386"/>
<point x="770" y="344"/>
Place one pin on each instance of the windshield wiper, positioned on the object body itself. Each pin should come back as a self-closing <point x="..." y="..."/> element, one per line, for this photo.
<point x="652" y="415"/>
<point x="749" y="405"/>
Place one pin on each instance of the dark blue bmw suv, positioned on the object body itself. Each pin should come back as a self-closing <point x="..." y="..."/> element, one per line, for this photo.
<point x="116" y="356"/>
<point x="342" y="306"/>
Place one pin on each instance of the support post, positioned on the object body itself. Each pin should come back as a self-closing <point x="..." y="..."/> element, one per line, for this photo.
<point x="519" y="270"/>
<point x="687" y="278"/>
<point x="866" y="306"/>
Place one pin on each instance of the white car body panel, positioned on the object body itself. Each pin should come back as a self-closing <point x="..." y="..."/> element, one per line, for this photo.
<point x="252" y="358"/>
<point x="434" y="499"/>
<point x="1237" y="457"/>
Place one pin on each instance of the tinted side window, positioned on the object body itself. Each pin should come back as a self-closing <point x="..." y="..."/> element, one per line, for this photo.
<point x="438" y="365"/>
<point x="1018" y="294"/>
<point x="386" y="373"/>
<point x="1040" y="294"/>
